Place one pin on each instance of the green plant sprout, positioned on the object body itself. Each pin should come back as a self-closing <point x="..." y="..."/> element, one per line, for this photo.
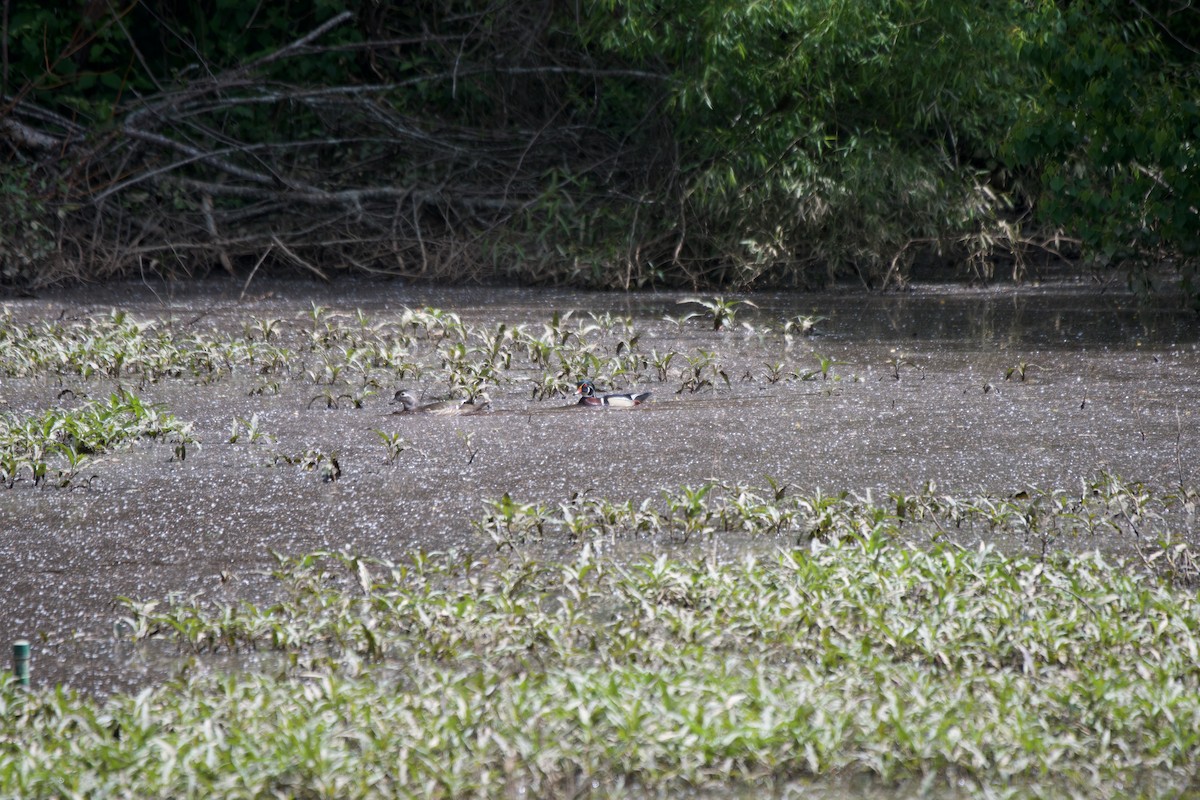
<point x="722" y="311"/>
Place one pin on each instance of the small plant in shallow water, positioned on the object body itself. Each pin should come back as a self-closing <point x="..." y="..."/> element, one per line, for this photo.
<point x="689" y="511"/>
<point x="263" y="330"/>
<point x="896" y="362"/>
<point x="802" y="325"/>
<point x="773" y="372"/>
<point x="313" y="459"/>
<point x="434" y="323"/>
<point x="326" y="397"/>
<point x="358" y="398"/>
<point x="824" y="370"/>
<point x="394" y="444"/>
<point x="248" y="430"/>
<point x="702" y="370"/>
<point x="608" y="323"/>
<point x="722" y="311"/>
<point x="508" y="523"/>
<point x="662" y="363"/>
<point x="550" y="385"/>
<point x="1020" y="370"/>
<point x="468" y="440"/>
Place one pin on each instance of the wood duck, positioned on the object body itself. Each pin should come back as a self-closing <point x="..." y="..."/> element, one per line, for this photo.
<point x="444" y="408"/>
<point x="587" y="396"/>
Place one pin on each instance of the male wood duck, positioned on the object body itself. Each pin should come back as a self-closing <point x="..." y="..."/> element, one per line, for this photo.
<point x="443" y="408"/>
<point x="587" y="396"/>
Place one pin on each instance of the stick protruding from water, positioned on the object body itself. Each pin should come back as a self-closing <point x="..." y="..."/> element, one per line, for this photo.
<point x="21" y="651"/>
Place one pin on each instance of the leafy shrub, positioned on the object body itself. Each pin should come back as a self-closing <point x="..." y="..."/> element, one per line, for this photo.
<point x="1111" y="132"/>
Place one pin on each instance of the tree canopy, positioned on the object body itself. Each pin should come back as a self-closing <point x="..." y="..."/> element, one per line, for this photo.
<point x="605" y="143"/>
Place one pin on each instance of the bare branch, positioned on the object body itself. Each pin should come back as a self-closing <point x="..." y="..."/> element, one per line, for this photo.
<point x="25" y="136"/>
<point x="287" y="50"/>
<point x="298" y="260"/>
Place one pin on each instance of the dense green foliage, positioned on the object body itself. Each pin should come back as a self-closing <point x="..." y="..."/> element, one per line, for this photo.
<point x="1113" y="129"/>
<point x="82" y="57"/>
<point x="610" y="143"/>
<point x="831" y="132"/>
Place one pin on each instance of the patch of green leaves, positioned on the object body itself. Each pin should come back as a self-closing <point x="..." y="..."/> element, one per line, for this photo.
<point x="856" y="656"/>
<point x="54" y="445"/>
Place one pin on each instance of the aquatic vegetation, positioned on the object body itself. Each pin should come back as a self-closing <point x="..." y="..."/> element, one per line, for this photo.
<point x="326" y="396"/>
<point x="897" y="361"/>
<point x="314" y="459"/>
<point x="1020" y="370"/>
<point x="394" y="444"/>
<point x="262" y="329"/>
<point x="1153" y="525"/>
<point x="702" y="370"/>
<point x="862" y="641"/>
<point x="773" y="372"/>
<point x="468" y="441"/>
<point x="509" y="523"/>
<point x="248" y="430"/>
<point x="54" y="444"/>
<point x="802" y="324"/>
<point x="351" y="357"/>
<point x="824" y="370"/>
<point x="662" y="363"/>
<point x="721" y="310"/>
<point x="117" y="346"/>
<point x="433" y="323"/>
<point x="447" y="676"/>
<point x="466" y="372"/>
<point x="328" y="373"/>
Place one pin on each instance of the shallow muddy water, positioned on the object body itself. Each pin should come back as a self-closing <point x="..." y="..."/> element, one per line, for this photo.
<point x="915" y="392"/>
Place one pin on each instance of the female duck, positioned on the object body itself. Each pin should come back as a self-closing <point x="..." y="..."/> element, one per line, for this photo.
<point x="444" y="408"/>
<point x="588" y="397"/>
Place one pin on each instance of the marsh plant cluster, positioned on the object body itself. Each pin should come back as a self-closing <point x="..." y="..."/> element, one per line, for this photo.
<point x="51" y="448"/>
<point x="447" y="676"/>
<point x="357" y="353"/>
<point x="335" y="360"/>
<point x="1105" y="509"/>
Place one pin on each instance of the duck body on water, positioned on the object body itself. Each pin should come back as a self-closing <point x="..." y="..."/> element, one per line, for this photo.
<point x="588" y="397"/>
<point x="586" y="390"/>
<point x="411" y="405"/>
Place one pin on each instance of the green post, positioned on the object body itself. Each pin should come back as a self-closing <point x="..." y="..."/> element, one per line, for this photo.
<point x="21" y="662"/>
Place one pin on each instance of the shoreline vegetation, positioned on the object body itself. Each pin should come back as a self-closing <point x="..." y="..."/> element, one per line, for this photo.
<point x="603" y="145"/>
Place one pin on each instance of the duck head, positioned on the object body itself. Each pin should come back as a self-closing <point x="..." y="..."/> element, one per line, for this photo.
<point x="406" y="398"/>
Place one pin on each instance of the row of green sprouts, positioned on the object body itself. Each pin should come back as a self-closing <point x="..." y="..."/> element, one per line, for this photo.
<point x="443" y="675"/>
<point x="1105" y="510"/>
<point x="353" y="356"/>
<point x="117" y="347"/>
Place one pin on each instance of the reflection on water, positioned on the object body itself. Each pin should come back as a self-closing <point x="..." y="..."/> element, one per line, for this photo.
<point x="1045" y="316"/>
